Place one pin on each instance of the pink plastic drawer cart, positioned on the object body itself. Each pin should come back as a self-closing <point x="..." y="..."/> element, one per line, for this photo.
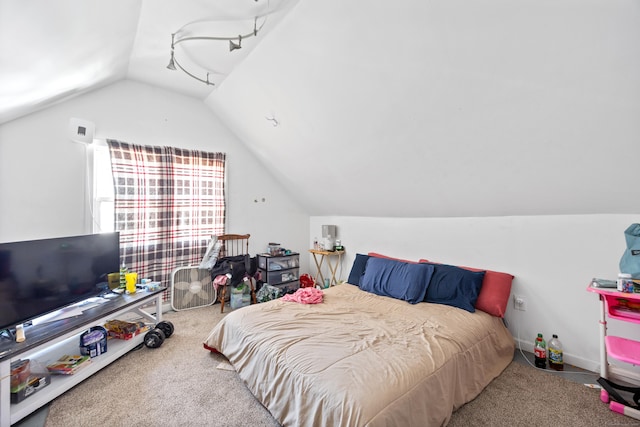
<point x="623" y="306"/>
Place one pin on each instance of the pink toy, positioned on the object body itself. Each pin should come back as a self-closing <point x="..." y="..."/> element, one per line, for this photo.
<point x="624" y="410"/>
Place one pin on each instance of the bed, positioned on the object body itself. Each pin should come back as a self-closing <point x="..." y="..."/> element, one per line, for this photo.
<point x="363" y="359"/>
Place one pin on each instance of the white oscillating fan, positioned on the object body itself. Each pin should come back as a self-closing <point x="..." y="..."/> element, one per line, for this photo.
<point x="191" y="287"/>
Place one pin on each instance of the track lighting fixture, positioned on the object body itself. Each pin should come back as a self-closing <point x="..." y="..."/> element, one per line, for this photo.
<point x="192" y="33"/>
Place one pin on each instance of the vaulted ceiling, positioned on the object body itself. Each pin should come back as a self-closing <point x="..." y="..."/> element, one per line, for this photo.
<point x="50" y="51"/>
<point x="396" y="108"/>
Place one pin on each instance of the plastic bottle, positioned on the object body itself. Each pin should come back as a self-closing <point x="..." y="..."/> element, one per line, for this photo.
<point x="555" y="354"/>
<point x="540" y="352"/>
<point x="123" y="276"/>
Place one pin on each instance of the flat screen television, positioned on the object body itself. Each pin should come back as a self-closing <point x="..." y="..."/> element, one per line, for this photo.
<point x="38" y="277"/>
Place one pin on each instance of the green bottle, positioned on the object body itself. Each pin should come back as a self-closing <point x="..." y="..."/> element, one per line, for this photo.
<point x="540" y="352"/>
<point x="123" y="276"/>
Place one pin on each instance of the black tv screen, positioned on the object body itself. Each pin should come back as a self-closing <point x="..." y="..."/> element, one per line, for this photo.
<point x="41" y="276"/>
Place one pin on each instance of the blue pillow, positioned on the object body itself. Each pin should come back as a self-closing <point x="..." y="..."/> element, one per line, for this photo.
<point x="396" y="279"/>
<point x="455" y="286"/>
<point x="357" y="269"/>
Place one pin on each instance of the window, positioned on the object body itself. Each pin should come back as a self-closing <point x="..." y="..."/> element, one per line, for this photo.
<point x="102" y="208"/>
<point x="165" y="202"/>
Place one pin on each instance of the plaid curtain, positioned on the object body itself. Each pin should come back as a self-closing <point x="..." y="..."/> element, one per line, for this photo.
<point x="168" y="204"/>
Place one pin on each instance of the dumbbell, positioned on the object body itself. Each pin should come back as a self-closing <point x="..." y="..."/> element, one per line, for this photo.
<point x="155" y="337"/>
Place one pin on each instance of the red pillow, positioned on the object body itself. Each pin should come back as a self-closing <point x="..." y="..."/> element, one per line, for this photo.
<point x="494" y="293"/>
<point x="377" y="255"/>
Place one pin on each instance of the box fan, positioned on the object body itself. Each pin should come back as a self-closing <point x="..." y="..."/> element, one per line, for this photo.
<point x="192" y="286"/>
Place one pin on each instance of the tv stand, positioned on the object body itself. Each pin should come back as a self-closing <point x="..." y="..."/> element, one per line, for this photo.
<point x="49" y="341"/>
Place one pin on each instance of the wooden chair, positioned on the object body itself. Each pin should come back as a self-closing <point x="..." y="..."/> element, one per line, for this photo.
<point x="232" y="245"/>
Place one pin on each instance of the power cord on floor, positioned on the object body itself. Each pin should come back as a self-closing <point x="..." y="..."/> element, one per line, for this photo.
<point x="541" y="369"/>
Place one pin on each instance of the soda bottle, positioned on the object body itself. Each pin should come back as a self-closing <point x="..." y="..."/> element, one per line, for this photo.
<point x="123" y="276"/>
<point x="540" y="352"/>
<point x="555" y="354"/>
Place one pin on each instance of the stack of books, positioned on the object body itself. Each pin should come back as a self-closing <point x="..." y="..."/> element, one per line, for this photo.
<point x="68" y="365"/>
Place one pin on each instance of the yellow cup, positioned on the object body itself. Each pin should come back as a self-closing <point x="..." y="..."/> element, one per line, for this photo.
<point x="132" y="279"/>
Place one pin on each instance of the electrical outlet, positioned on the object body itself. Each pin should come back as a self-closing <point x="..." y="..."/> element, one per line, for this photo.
<point x="519" y="303"/>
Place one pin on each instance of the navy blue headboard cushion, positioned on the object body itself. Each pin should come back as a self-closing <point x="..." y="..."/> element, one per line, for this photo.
<point x="397" y="279"/>
<point x="357" y="269"/>
<point x="455" y="286"/>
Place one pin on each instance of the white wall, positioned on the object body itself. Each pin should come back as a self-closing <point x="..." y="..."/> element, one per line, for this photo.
<point x="447" y="101"/>
<point x="42" y="173"/>
<point x="42" y="178"/>
<point x="553" y="258"/>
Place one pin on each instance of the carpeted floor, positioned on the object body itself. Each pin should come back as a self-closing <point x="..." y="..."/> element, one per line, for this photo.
<point x="181" y="384"/>
<point x="524" y="396"/>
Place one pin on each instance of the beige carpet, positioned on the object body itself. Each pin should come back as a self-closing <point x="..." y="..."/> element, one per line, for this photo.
<point x="524" y="396"/>
<point x="177" y="384"/>
<point x="181" y="384"/>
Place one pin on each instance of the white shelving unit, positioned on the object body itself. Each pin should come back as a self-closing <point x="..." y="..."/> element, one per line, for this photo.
<point x="48" y="342"/>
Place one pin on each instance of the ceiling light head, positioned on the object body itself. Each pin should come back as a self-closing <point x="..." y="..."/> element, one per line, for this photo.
<point x="233" y="46"/>
<point x="172" y="63"/>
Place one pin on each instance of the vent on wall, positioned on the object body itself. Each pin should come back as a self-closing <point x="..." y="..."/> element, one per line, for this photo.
<point x="81" y="130"/>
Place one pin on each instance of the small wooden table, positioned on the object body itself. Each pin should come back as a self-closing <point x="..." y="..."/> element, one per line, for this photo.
<point x="332" y="267"/>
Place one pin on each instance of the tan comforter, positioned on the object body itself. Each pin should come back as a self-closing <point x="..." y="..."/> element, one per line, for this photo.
<point x="359" y="359"/>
